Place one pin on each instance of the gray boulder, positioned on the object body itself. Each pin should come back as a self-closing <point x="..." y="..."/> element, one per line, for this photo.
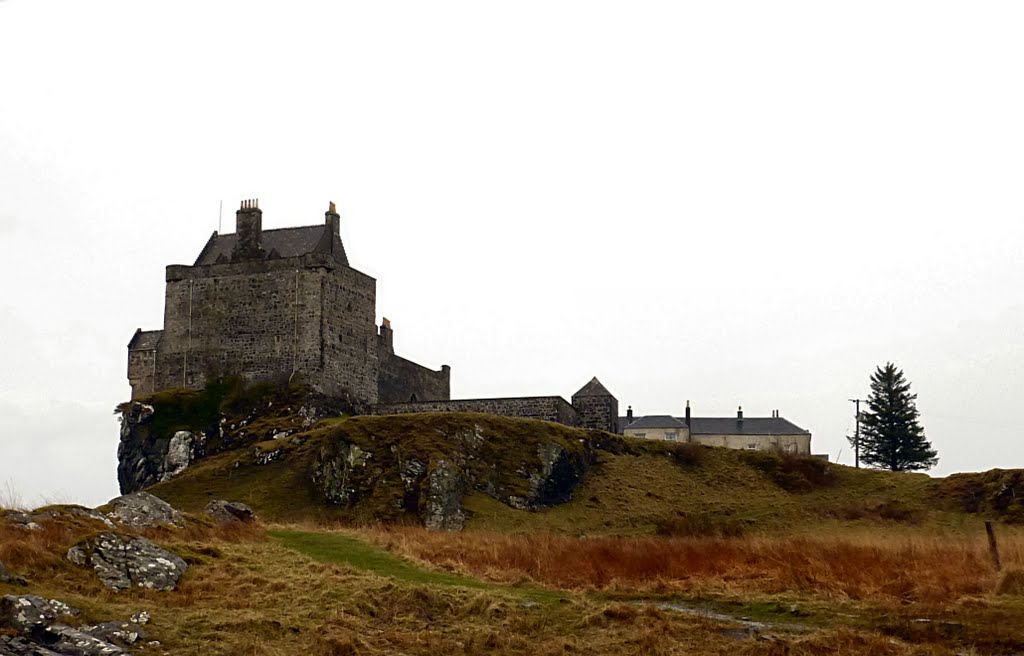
<point x="29" y="612"/>
<point x="69" y="641"/>
<point x="125" y="561"/>
<point x="143" y="510"/>
<point x="230" y="511"/>
<point x="444" y="498"/>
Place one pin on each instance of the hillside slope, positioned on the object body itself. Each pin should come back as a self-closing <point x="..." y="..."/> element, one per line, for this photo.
<point x="457" y="470"/>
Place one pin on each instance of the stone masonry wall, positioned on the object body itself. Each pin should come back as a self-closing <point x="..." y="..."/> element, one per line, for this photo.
<point x="403" y="381"/>
<point x="597" y="412"/>
<point x="266" y="319"/>
<point x="142" y="371"/>
<point x="351" y="362"/>
<point x="548" y="408"/>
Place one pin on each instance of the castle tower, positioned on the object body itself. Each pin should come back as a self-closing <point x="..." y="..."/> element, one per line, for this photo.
<point x="277" y="305"/>
<point x="596" y="407"/>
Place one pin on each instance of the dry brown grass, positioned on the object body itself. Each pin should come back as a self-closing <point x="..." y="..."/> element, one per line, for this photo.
<point x="857" y="567"/>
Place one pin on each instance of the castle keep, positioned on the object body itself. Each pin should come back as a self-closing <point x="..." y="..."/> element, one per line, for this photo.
<point x="275" y="304"/>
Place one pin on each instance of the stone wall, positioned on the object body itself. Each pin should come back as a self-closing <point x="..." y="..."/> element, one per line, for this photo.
<point x="268" y="319"/>
<point x="597" y="412"/>
<point x="142" y="371"/>
<point x="547" y="408"/>
<point x="351" y="360"/>
<point x="402" y="381"/>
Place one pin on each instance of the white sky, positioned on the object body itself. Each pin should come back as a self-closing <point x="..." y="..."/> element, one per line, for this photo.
<point x="746" y="203"/>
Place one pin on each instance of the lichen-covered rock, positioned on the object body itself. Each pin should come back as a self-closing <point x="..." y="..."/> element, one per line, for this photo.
<point x="230" y="511"/>
<point x="29" y="612"/>
<point x="444" y="500"/>
<point x="70" y="641"/>
<point x="125" y="561"/>
<point x="124" y="634"/>
<point x="34" y="620"/>
<point x="142" y="510"/>
<point x="335" y="470"/>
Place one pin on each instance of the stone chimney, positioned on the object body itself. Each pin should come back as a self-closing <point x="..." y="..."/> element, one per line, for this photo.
<point x="687" y="413"/>
<point x="249" y="231"/>
<point x="739" y="414"/>
<point x="333" y="219"/>
<point x="629" y="414"/>
<point x="387" y="336"/>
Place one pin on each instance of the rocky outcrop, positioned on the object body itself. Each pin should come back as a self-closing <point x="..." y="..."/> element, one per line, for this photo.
<point x="431" y="478"/>
<point x="443" y="510"/>
<point x="125" y="561"/>
<point x="230" y="511"/>
<point x="29" y="612"/>
<point x="163" y="438"/>
<point x="32" y="521"/>
<point x="143" y="510"/>
<point x="145" y="458"/>
<point x="38" y="630"/>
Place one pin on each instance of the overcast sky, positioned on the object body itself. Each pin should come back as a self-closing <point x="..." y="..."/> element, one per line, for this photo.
<point x="748" y="203"/>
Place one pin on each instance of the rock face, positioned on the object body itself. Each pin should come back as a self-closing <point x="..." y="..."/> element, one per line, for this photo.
<point x="143" y="458"/>
<point x="143" y="510"/>
<point x="230" y="511"/>
<point x="35" y="621"/>
<point x="124" y="561"/>
<point x="149" y="452"/>
<point x="397" y="476"/>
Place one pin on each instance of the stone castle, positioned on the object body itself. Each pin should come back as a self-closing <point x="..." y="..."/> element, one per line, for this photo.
<point x="273" y="305"/>
<point x="280" y="304"/>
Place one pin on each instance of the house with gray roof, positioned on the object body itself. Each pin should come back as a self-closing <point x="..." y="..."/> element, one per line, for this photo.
<point x="752" y="433"/>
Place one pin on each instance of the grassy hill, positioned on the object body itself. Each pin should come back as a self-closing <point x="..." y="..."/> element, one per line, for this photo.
<point x="627" y="487"/>
<point x="659" y="549"/>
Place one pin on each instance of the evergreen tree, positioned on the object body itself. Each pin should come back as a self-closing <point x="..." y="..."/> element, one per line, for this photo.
<point x="890" y="435"/>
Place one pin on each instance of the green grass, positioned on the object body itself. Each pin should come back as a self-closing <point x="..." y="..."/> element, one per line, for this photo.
<point x="341" y="549"/>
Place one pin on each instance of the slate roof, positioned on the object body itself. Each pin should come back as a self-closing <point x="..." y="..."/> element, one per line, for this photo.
<point x="656" y="421"/>
<point x="145" y="340"/>
<point x="593" y="388"/>
<point x="749" y="426"/>
<point x="286" y="242"/>
<point x="722" y="425"/>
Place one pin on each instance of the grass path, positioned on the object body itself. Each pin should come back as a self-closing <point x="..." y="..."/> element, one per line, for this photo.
<point x="339" y="548"/>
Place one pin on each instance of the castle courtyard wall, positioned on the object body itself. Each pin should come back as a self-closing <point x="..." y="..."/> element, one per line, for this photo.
<point x="402" y="381"/>
<point x="547" y="408"/>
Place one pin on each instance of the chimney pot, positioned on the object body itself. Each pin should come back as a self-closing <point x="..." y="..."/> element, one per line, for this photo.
<point x="739" y="413"/>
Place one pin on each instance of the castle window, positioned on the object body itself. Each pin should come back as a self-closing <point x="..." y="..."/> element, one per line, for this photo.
<point x="671" y="435"/>
<point x="752" y="446"/>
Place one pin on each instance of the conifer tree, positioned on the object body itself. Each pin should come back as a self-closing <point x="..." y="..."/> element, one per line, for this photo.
<point x="891" y="437"/>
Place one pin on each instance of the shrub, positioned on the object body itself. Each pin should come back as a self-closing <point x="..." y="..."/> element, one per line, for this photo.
<point x="702" y="525"/>
<point x="793" y="473"/>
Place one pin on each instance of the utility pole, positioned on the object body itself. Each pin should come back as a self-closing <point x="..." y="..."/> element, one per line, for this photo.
<point x="856" y="435"/>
